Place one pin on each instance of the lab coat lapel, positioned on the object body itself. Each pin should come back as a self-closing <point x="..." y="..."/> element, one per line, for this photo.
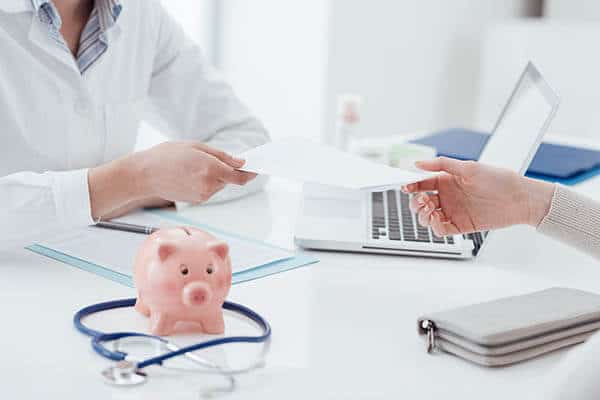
<point x="15" y="6"/>
<point x="38" y="34"/>
<point x="113" y="34"/>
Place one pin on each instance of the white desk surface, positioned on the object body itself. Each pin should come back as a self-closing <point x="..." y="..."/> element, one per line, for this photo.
<point x="342" y="328"/>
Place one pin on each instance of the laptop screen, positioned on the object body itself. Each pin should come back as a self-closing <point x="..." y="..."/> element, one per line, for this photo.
<point x="520" y="128"/>
<point x="522" y="124"/>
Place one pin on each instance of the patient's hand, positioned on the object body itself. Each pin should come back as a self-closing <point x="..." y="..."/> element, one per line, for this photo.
<point x="473" y="197"/>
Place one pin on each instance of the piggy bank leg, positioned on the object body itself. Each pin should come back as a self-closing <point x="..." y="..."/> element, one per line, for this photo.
<point x="141" y="307"/>
<point x="214" y="325"/>
<point x="161" y="324"/>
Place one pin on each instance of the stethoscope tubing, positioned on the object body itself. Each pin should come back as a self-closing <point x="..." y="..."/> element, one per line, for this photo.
<point x="99" y="338"/>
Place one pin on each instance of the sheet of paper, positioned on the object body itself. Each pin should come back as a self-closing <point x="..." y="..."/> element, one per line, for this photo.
<point x="116" y="250"/>
<point x="309" y="162"/>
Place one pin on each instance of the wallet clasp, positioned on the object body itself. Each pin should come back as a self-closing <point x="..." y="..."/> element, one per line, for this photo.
<point x="429" y="327"/>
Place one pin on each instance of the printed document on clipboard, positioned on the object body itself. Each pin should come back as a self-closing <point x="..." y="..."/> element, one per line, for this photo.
<point x="111" y="253"/>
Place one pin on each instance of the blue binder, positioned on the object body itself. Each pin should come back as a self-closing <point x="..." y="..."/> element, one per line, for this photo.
<point x="567" y="165"/>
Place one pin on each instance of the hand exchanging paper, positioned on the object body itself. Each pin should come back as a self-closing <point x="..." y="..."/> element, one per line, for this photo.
<point x="473" y="197"/>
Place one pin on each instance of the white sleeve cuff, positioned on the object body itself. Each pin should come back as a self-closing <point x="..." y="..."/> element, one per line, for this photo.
<point x="72" y="198"/>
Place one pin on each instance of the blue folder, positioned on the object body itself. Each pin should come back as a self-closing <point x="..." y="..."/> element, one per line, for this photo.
<point x="567" y="165"/>
<point x="295" y="261"/>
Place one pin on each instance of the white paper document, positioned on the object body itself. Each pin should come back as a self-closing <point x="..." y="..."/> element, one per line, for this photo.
<point x="310" y="162"/>
<point x="116" y="249"/>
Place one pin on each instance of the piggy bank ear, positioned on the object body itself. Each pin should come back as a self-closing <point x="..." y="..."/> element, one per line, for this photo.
<point x="221" y="249"/>
<point x="165" y="250"/>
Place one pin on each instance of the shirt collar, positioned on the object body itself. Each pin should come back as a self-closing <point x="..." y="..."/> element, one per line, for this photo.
<point x="37" y="4"/>
<point x="48" y="7"/>
<point x="108" y="11"/>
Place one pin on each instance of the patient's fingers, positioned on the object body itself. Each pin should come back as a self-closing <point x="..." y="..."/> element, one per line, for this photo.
<point x="425" y="214"/>
<point x="419" y="200"/>
<point x="415" y="203"/>
<point x="441" y="226"/>
<point x="423" y="186"/>
<point x="437" y="226"/>
<point x="449" y="165"/>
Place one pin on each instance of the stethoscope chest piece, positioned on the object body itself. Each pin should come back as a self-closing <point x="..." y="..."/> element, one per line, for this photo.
<point x="123" y="373"/>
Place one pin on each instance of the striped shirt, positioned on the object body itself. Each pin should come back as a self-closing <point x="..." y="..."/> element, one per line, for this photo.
<point x="94" y="41"/>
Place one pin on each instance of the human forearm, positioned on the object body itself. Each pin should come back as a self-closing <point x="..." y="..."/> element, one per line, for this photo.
<point x="539" y="197"/>
<point x="173" y="171"/>
<point x="115" y="185"/>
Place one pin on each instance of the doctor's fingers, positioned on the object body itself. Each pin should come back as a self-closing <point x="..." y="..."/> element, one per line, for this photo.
<point x="231" y="175"/>
<point x="219" y="171"/>
<point x="219" y="154"/>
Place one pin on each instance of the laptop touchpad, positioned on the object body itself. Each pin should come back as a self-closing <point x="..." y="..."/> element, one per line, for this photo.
<point x="333" y="208"/>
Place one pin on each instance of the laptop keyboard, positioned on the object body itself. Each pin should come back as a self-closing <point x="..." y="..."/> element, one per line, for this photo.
<point x="392" y="220"/>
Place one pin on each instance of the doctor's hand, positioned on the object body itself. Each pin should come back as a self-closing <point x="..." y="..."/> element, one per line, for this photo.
<point x="172" y="171"/>
<point x="471" y="197"/>
<point x="187" y="171"/>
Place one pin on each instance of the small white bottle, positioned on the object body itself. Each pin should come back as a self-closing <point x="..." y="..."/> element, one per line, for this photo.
<point x="348" y="120"/>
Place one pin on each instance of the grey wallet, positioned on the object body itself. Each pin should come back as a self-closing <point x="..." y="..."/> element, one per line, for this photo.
<point x="513" y="329"/>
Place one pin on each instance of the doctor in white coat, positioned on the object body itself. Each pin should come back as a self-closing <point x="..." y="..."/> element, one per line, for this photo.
<point x="76" y="79"/>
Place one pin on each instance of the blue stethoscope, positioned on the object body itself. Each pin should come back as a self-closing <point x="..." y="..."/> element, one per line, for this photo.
<point x="128" y="372"/>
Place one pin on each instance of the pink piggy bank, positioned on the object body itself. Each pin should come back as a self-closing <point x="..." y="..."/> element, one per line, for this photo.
<point x="182" y="275"/>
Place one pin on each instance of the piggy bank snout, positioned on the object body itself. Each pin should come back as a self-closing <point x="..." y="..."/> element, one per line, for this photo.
<point x="196" y="294"/>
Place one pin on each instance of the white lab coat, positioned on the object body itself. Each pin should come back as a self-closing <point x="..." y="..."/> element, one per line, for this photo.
<point x="55" y="123"/>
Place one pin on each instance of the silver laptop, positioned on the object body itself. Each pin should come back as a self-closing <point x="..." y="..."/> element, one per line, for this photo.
<point x="381" y="222"/>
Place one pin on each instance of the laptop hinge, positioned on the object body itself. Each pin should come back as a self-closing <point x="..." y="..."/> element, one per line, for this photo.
<point x="477" y="238"/>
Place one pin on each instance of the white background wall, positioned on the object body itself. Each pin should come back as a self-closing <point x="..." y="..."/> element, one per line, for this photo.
<point x="564" y="46"/>
<point x="416" y="63"/>
<point x="572" y="9"/>
<point x="273" y="52"/>
<point x="564" y="51"/>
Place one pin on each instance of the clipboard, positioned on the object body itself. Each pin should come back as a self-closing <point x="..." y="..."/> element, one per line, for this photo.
<point x="296" y="260"/>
